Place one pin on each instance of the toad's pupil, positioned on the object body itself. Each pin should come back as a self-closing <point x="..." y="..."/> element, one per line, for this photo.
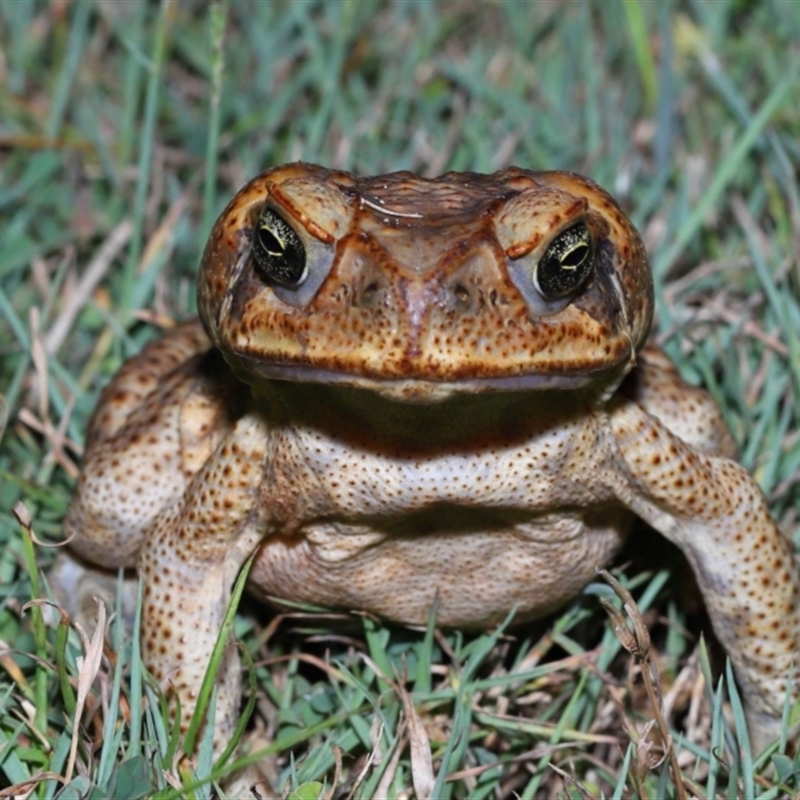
<point x="576" y="257"/>
<point x="270" y="242"/>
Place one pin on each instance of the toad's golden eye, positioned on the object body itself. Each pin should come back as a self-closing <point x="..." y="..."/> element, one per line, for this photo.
<point x="278" y="251"/>
<point x="566" y="263"/>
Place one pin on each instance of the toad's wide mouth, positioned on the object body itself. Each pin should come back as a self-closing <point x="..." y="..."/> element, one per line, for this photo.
<point x="415" y="388"/>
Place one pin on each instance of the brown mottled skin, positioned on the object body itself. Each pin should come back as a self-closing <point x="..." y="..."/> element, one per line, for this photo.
<point x="413" y="418"/>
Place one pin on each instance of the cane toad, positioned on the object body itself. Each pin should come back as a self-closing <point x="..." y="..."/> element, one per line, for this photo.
<point x="404" y="391"/>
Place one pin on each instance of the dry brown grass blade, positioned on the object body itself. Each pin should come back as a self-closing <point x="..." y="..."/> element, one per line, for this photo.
<point x="94" y="273"/>
<point x="88" y="667"/>
<point x="21" y="791"/>
<point x="573" y="781"/>
<point x="385" y="783"/>
<point x="637" y="643"/>
<point x="421" y="758"/>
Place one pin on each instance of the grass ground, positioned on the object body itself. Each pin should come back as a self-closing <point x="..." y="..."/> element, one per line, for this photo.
<point x="125" y="127"/>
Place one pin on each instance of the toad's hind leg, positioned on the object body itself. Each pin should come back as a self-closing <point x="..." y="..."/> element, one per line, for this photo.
<point x="156" y="423"/>
<point x="690" y="413"/>
<point x="710" y="507"/>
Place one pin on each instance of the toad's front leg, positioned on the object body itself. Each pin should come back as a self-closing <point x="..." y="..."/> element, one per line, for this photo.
<point x="188" y="564"/>
<point x="713" y="510"/>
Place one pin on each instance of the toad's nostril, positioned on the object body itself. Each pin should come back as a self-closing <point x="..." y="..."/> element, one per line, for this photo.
<point x="462" y="296"/>
<point x="368" y="294"/>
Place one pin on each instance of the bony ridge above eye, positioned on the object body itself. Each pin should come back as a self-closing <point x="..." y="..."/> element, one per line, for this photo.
<point x="278" y="250"/>
<point x="566" y="263"/>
